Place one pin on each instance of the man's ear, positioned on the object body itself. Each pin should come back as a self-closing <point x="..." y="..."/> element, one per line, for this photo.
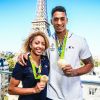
<point x="51" y="21"/>
<point x="66" y="20"/>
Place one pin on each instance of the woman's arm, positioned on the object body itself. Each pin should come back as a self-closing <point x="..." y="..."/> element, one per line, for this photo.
<point x="15" y="90"/>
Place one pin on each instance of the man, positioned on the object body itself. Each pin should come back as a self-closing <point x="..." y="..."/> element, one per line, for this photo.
<point x="64" y="83"/>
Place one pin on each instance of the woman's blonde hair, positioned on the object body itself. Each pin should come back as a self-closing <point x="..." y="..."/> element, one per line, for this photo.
<point x="31" y="37"/>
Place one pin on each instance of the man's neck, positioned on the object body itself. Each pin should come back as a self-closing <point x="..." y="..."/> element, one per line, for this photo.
<point x="61" y="35"/>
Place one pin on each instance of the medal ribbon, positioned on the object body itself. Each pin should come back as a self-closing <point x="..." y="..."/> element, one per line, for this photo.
<point x="37" y="75"/>
<point x="62" y="51"/>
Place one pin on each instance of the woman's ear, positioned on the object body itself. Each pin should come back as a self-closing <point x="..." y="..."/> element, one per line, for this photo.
<point x="30" y="46"/>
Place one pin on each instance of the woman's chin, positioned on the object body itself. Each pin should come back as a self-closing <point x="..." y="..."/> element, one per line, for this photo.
<point x="39" y="54"/>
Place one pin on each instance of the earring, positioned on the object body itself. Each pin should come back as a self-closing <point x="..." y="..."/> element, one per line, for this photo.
<point x="30" y="46"/>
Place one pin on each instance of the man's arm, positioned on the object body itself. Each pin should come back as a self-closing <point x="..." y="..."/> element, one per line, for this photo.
<point x="22" y="57"/>
<point x="87" y="67"/>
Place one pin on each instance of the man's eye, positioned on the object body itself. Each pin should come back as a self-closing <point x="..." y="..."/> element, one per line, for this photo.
<point x="55" y="19"/>
<point x="63" y="19"/>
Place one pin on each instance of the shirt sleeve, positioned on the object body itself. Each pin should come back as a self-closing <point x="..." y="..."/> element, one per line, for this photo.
<point x="17" y="72"/>
<point x="85" y="52"/>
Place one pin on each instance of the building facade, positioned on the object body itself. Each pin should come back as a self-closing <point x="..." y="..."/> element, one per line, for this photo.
<point x="40" y="23"/>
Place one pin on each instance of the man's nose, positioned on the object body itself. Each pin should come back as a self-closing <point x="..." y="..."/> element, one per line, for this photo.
<point x="59" y="21"/>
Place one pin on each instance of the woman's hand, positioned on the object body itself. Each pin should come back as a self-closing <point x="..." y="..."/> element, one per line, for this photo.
<point x="38" y="88"/>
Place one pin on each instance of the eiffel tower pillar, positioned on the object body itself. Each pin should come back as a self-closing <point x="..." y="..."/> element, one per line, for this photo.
<point x="41" y="20"/>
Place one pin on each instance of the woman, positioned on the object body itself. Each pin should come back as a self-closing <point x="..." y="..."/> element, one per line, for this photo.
<point x="36" y="66"/>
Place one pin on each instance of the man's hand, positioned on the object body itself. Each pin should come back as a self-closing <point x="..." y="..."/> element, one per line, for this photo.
<point x="69" y="71"/>
<point x="21" y="58"/>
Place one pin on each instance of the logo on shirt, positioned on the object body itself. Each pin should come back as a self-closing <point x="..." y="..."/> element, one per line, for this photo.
<point x="45" y="66"/>
<point x="30" y="70"/>
<point x="71" y="47"/>
<point x="52" y="47"/>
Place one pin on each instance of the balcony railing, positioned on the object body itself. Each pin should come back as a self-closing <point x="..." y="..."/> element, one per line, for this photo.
<point x="91" y="88"/>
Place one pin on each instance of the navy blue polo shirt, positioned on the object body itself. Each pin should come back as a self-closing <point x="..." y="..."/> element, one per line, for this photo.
<point x="25" y="74"/>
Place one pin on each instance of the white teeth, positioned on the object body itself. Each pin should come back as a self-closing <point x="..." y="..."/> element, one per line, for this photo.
<point x="59" y="27"/>
<point x="39" y="51"/>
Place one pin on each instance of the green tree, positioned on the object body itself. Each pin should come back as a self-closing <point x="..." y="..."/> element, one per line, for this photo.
<point x="11" y="63"/>
<point x="9" y="56"/>
<point x="95" y="63"/>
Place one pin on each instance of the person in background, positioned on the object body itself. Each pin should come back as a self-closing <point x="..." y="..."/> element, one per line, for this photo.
<point x="36" y="66"/>
<point x="65" y="53"/>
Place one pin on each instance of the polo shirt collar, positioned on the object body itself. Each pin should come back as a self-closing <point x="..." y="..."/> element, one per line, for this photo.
<point x="69" y="35"/>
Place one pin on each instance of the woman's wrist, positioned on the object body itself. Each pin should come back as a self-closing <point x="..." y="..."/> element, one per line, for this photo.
<point x="35" y="90"/>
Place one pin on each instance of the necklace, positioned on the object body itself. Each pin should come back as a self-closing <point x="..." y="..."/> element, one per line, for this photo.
<point x="61" y="46"/>
<point x="36" y="71"/>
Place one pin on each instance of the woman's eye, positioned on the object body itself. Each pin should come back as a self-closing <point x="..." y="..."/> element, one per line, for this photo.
<point x="43" y="44"/>
<point x="36" y="42"/>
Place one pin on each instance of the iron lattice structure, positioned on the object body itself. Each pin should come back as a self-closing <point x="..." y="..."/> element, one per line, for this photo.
<point x="41" y="20"/>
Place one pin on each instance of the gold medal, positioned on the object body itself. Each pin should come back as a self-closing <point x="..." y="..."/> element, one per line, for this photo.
<point x="62" y="63"/>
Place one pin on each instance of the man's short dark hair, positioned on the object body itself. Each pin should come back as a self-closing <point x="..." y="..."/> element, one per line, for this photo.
<point x="58" y="8"/>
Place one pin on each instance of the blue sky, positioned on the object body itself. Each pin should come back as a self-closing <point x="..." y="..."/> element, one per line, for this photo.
<point x="16" y="17"/>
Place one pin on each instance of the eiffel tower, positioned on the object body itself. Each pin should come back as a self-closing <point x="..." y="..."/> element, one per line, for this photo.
<point x="41" y="21"/>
